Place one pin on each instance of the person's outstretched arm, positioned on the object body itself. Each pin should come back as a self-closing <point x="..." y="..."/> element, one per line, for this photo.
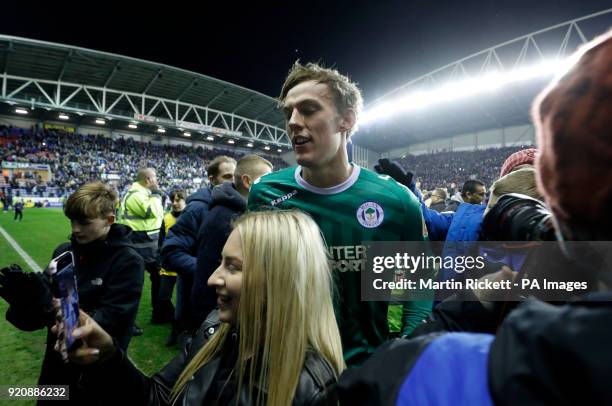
<point x="111" y="376"/>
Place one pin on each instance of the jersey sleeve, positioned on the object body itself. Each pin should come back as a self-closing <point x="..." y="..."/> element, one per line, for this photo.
<point x="415" y="229"/>
<point x="256" y="200"/>
<point x="414" y="311"/>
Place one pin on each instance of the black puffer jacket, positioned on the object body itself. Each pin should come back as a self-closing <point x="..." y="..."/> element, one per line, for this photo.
<point x="109" y="281"/>
<point x="130" y="386"/>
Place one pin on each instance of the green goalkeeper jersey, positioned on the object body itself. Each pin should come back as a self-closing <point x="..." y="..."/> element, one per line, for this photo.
<point x="366" y="207"/>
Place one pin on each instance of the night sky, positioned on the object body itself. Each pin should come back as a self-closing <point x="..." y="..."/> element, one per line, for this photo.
<point x="380" y="44"/>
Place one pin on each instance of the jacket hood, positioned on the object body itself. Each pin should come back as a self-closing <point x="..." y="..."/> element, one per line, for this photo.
<point x="118" y="236"/>
<point x="201" y="195"/>
<point x="226" y="195"/>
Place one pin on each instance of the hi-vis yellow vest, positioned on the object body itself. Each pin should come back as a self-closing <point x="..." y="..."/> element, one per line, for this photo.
<point x="140" y="210"/>
<point x="169" y="221"/>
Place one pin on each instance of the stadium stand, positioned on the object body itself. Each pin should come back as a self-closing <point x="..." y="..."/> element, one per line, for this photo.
<point x="75" y="159"/>
<point x="442" y="169"/>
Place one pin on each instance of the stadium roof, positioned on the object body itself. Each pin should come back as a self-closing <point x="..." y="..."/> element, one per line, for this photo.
<point x="73" y="79"/>
<point x="478" y="92"/>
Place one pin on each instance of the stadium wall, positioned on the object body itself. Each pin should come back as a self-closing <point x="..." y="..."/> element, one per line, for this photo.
<point x="492" y="138"/>
<point x="94" y="130"/>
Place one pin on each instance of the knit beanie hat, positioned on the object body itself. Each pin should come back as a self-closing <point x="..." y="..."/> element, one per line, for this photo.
<point x="522" y="157"/>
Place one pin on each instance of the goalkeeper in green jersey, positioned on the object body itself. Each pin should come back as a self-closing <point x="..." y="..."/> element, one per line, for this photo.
<point x="350" y="204"/>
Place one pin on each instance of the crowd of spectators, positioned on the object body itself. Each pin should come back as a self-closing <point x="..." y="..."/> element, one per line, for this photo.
<point x="75" y="159"/>
<point x="450" y="169"/>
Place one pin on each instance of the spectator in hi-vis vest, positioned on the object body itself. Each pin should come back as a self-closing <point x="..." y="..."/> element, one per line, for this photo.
<point x="141" y="209"/>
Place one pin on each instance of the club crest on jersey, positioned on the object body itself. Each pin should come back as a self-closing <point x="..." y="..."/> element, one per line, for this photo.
<point x="370" y="214"/>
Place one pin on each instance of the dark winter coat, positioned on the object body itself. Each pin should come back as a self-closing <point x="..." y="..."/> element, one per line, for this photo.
<point x="226" y="205"/>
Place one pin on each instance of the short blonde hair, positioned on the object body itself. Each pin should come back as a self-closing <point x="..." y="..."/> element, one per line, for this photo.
<point x="247" y="165"/>
<point x="90" y="201"/>
<point x="440" y="192"/>
<point x="345" y="93"/>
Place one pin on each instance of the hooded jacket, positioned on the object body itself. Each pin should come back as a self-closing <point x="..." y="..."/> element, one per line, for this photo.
<point x="179" y="250"/>
<point x="226" y="205"/>
<point x="110" y="275"/>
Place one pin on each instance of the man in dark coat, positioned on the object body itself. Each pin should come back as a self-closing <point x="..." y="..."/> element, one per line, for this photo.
<point x="229" y="201"/>
<point x="179" y="249"/>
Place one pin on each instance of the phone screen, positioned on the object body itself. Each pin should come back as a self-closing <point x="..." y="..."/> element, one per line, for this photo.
<point x="65" y="289"/>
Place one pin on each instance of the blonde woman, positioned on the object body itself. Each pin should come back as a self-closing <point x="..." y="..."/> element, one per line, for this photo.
<point x="273" y="341"/>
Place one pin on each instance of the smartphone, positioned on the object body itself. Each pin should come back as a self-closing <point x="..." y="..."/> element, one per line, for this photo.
<point x="64" y="287"/>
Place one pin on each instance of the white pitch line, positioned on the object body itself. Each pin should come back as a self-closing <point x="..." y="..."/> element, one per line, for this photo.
<point x="28" y="259"/>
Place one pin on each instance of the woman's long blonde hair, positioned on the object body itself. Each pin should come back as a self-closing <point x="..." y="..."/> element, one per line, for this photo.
<point x="285" y="307"/>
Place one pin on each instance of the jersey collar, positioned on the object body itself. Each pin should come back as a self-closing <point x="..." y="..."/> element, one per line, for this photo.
<point x="328" y="190"/>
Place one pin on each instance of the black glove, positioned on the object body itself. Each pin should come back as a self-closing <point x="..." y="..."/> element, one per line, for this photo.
<point x="386" y="167"/>
<point x="23" y="288"/>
